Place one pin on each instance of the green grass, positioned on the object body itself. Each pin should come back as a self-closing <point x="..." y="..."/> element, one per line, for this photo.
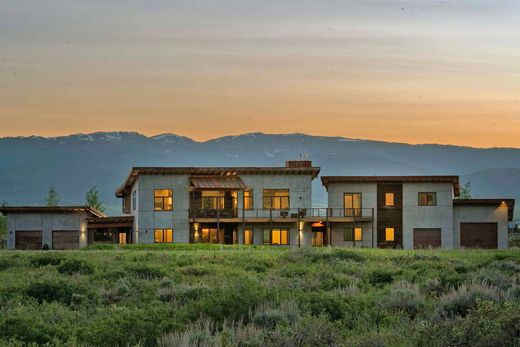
<point x="207" y="295"/>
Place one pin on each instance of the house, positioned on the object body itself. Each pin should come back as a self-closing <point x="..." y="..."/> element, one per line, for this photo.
<point x="229" y="205"/>
<point x="45" y="227"/>
<point x="414" y="212"/>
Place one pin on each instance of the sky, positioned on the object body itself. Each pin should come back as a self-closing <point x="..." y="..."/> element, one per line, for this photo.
<point x="415" y="71"/>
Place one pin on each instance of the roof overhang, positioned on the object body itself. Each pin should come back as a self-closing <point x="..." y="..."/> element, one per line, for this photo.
<point x="510" y="203"/>
<point x="212" y="171"/>
<point x="454" y="180"/>
<point x="51" y="209"/>
<point x="111" y="222"/>
<point x="217" y="182"/>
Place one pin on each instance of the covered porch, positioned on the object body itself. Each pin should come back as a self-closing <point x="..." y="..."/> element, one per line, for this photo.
<point x="110" y="230"/>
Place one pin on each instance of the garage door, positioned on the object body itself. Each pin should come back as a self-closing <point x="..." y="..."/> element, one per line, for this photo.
<point x="426" y="238"/>
<point x="65" y="239"/>
<point x="478" y="235"/>
<point x="28" y="239"/>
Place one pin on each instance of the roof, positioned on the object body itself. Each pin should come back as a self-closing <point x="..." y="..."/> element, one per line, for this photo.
<point x="51" y="209"/>
<point x="488" y="202"/>
<point x="110" y="222"/>
<point x="217" y="182"/>
<point x="213" y="171"/>
<point x="326" y="180"/>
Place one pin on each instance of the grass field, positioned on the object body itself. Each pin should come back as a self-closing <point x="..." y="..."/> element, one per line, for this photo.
<point x="255" y="296"/>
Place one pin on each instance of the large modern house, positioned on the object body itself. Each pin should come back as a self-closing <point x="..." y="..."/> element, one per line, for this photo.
<point x="272" y="206"/>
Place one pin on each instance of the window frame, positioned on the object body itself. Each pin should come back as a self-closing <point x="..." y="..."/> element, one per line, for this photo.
<point x="386" y="199"/>
<point x="356" y="211"/>
<point x="270" y="235"/>
<point x="272" y="198"/>
<point x="163" y="199"/>
<point x="250" y="197"/>
<point x="428" y="195"/>
<point x="353" y="234"/>
<point x="164" y="235"/>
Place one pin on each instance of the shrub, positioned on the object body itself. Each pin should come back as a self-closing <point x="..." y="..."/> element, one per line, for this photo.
<point x="46" y="259"/>
<point x="182" y="293"/>
<point x="326" y="303"/>
<point x="48" y="290"/>
<point x="256" y="267"/>
<point x="242" y="335"/>
<point x="198" y="334"/>
<point x="459" y="301"/>
<point x="120" y="290"/>
<point x="194" y="271"/>
<point x="5" y="264"/>
<point x="336" y="254"/>
<point x="404" y="297"/>
<point x="268" y="316"/>
<point x="380" y="277"/>
<point x="75" y="266"/>
<point x="316" y="331"/>
<point x="433" y="287"/>
<point x="146" y="272"/>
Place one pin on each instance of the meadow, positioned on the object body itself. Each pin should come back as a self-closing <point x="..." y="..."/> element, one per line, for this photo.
<point x="189" y="295"/>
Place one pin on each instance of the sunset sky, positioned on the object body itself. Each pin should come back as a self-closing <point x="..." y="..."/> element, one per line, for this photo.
<point x="431" y="71"/>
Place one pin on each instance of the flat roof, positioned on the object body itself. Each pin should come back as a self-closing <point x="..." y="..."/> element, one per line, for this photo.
<point x="214" y="171"/>
<point x="489" y="202"/>
<point x="326" y="180"/>
<point x="51" y="209"/>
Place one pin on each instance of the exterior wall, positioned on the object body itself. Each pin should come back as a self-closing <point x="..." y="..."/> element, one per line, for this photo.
<point x="46" y="223"/>
<point x="368" y="201"/>
<point x="148" y="219"/>
<point x="440" y="216"/>
<point x="134" y="210"/>
<point x="481" y="214"/>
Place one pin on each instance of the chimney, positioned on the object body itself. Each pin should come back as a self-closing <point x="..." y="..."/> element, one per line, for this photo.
<point x="298" y="164"/>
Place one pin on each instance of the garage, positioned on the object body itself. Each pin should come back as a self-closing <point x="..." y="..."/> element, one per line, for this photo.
<point x="28" y="240"/>
<point x="479" y="235"/>
<point x="65" y="239"/>
<point x="426" y="238"/>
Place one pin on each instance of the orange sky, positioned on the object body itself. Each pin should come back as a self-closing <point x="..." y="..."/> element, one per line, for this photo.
<point x="408" y="71"/>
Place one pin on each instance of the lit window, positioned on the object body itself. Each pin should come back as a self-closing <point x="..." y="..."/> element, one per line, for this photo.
<point x="163" y="200"/>
<point x="389" y="199"/>
<point x="317" y="238"/>
<point x="276" y="236"/>
<point x="352" y="204"/>
<point x="248" y="236"/>
<point x="353" y="234"/>
<point x="212" y="200"/>
<point x="248" y="199"/>
<point x="276" y="199"/>
<point x="389" y="234"/>
<point x="427" y="199"/>
<point x="163" y="236"/>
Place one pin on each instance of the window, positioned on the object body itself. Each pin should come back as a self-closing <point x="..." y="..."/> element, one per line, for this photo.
<point x="276" y="236"/>
<point x="134" y="200"/>
<point x="163" y="236"/>
<point x="389" y="234"/>
<point x="163" y="199"/>
<point x="276" y="199"/>
<point x="389" y="199"/>
<point x="248" y="199"/>
<point x="427" y="199"/>
<point x="248" y="236"/>
<point x="353" y="234"/>
<point x="352" y="204"/>
<point x="317" y="238"/>
<point x="212" y="200"/>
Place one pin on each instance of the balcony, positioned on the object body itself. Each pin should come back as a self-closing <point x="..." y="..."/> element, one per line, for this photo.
<point x="288" y="215"/>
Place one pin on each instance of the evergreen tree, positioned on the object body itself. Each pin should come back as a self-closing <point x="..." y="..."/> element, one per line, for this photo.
<point x="465" y="192"/>
<point x="92" y="199"/>
<point x="53" y="198"/>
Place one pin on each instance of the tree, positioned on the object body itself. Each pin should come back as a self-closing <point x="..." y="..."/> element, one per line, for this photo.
<point x="53" y="198"/>
<point x="3" y="221"/>
<point x="92" y="199"/>
<point x="465" y="192"/>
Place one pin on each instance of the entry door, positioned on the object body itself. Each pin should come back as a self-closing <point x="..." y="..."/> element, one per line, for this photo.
<point x="122" y="238"/>
<point x="317" y="238"/>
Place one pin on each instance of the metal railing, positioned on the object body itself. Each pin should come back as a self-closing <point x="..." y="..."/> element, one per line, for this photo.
<point x="293" y="213"/>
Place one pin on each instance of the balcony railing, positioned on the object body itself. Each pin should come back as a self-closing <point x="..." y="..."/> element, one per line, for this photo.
<point x="298" y="213"/>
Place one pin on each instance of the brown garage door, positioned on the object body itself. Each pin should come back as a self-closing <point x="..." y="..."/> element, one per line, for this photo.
<point x="426" y="238"/>
<point x="28" y="239"/>
<point x="479" y="235"/>
<point x="65" y="239"/>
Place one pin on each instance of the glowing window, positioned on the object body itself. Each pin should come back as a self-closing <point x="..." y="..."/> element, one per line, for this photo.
<point x="353" y="234"/>
<point x="248" y="200"/>
<point x="163" y="199"/>
<point x="389" y="234"/>
<point x="389" y="199"/>
<point x="276" y="199"/>
<point x="163" y="236"/>
<point x="248" y="236"/>
<point x="276" y="236"/>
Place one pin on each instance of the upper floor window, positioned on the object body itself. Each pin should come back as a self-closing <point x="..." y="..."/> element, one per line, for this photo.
<point x="212" y="200"/>
<point x="248" y="199"/>
<point x="163" y="235"/>
<point x="163" y="200"/>
<point x="389" y="199"/>
<point x="276" y="199"/>
<point x="352" y="204"/>
<point x="134" y="200"/>
<point x="427" y="199"/>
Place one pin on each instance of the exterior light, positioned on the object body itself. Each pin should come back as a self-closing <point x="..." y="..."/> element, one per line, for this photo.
<point x="318" y="224"/>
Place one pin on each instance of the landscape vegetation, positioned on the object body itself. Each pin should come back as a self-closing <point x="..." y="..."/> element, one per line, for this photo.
<point x="210" y="295"/>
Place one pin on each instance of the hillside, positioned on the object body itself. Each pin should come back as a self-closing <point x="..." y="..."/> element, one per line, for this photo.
<point x="29" y="165"/>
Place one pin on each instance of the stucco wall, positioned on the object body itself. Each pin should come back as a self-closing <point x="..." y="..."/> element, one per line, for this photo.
<point x="440" y="216"/>
<point x="46" y="223"/>
<point x="481" y="214"/>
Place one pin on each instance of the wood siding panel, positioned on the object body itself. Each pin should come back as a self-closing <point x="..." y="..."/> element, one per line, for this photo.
<point x="479" y="235"/>
<point x="62" y="240"/>
<point x="28" y="240"/>
<point x="390" y="217"/>
<point x="426" y="238"/>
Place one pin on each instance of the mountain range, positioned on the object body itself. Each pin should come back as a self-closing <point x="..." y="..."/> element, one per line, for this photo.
<point x="74" y="163"/>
